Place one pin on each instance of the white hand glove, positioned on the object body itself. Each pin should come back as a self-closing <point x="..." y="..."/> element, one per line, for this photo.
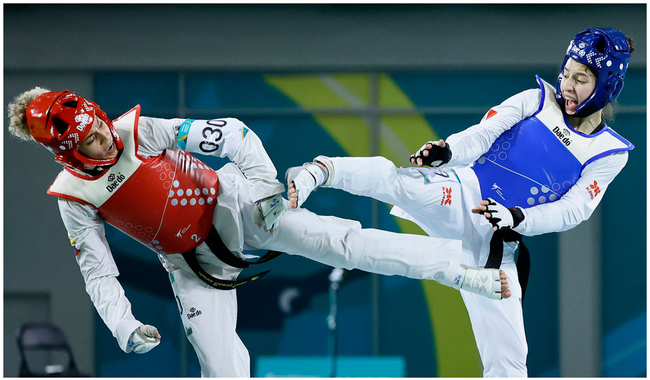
<point x="268" y="212"/>
<point x="143" y="339"/>
<point x="502" y="217"/>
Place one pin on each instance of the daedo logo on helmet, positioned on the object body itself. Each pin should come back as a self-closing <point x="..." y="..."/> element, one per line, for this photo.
<point x="564" y="136"/>
<point x="83" y="119"/>
<point x="114" y="181"/>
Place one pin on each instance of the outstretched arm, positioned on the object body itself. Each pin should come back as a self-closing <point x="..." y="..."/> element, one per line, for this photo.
<point x="86" y="233"/>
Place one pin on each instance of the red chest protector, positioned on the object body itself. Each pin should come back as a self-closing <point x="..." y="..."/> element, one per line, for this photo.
<point x="165" y="202"/>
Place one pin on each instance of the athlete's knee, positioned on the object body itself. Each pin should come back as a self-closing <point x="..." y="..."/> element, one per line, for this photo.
<point x="345" y="247"/>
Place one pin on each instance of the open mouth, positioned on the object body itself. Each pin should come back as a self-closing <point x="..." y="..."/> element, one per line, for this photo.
<point x="570" y="105"/>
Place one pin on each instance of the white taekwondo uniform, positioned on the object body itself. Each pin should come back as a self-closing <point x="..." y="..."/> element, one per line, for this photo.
<point x="153" y="162"/>
<point x="522" y="153"/>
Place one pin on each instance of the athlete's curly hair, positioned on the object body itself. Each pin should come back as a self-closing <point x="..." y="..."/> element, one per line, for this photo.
<point x="17" y="113"/>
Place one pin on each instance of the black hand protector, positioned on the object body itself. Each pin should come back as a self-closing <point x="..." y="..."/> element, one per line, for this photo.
<point x="436" y="157"/>
<point x="502" y="217"/>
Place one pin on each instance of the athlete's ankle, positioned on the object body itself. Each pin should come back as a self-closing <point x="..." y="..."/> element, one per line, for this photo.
<point x="327" y="168"/>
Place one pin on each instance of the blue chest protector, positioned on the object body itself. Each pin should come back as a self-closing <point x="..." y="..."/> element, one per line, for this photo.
<point x="541" y="157"/>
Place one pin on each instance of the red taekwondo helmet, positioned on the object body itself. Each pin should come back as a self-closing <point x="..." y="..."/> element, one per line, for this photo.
<point x="60" y="120"/>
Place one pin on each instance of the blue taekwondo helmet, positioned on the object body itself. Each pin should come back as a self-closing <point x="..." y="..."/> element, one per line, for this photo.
<point x="607" y="51"/>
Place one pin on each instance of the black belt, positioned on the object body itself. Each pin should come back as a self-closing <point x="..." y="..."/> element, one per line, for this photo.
<point x="496" y="255"/>
<point x="222" y="252"/>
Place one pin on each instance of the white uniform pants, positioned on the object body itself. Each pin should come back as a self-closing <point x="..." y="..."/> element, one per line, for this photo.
<point x="442" y="207"/>
<point x="329" y="240"/>
<point x="209" y="319"/>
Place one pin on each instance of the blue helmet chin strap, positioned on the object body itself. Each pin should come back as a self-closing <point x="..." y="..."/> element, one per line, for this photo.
<point x="607" y="51"/>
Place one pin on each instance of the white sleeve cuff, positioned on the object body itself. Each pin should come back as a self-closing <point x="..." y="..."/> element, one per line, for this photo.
<point x="123" y="331"/>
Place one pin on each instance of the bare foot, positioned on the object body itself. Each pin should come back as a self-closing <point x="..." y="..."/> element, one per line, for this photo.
<point x="293" y="195"/>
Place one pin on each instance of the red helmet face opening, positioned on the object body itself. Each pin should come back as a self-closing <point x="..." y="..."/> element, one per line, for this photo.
<point x="60" y="120"/>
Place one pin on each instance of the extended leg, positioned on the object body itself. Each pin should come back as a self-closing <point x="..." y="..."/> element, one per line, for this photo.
<point x="374" y="177"/>
<point x="343" y="243"/>
<point x="429" y="196"/>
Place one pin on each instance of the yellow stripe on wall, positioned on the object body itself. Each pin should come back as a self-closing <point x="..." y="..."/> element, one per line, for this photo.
<point x="307" y="90"/>
<point x="350" y="132"/>
<point x="357" y="84"/>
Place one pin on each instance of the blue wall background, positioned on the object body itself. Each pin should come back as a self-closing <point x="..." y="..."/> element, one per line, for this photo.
<point x="265" y="63"/>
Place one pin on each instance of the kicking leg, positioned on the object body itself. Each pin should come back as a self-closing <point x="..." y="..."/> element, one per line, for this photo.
<point x="432" y="199"/>
<point x="374" y="177"/>
<point x="491" y="283"/>
<point x="343" y="243"/>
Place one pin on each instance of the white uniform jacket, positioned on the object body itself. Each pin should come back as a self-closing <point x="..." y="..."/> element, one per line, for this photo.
<point x="86" y="229"/>
<point x="572" y="208"/>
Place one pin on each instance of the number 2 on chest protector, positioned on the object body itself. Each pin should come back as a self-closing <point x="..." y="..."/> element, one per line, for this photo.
<point x="212" y="136"/>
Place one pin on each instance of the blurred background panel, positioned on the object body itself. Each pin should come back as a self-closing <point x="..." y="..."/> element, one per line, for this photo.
<point x="338" y="80"/>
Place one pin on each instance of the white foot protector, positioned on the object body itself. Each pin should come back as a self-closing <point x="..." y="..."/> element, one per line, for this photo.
<point x="482" y="281"/>
<point x="308" y="177"/>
